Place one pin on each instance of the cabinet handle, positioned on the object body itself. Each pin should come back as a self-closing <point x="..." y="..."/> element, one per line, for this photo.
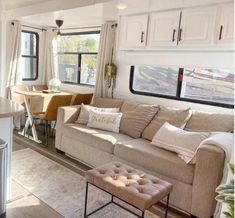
<point x="180" y="34"/>
<point x="173" y="37"/>
<point x="142" y="37"/>
<point x="220" y="32"/>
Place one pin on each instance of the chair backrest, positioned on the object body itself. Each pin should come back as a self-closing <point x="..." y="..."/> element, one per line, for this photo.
<point x="17" y="97"/>
<point x="56" y="102"/>
<point x="82" y="98"/>
<point x="39" y="87"/>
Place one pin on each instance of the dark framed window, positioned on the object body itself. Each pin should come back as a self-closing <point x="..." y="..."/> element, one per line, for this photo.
<point x="204" y="86"/>
<point x="77" y="57"/>
<point x="29" y="55"/>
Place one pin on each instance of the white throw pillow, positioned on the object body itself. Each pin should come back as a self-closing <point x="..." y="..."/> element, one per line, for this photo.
<point x="182" y="142"/>
<point x="104" y="120"/>
<point x="84" y="112"/>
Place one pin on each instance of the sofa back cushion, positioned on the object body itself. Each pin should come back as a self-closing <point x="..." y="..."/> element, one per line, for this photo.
<point x="210" y="122"/>
<point x="107" y="103"/>
<point x="136" y="117"/>
<point x="176" y="117"/>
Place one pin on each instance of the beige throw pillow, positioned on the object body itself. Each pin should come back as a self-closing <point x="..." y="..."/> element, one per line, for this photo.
<point x="176" y="117"/>
<point x="104" y="120"/>
<point x="85" y="109"/>
<point x="179" y="141"/>
<point x="136" y="117"/>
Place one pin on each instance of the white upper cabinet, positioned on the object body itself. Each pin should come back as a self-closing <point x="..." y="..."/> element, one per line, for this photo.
<point x="224" y="32"/>
<point x="133" y="31"/>
<point x="163" y="29"/>
<point x="197" y="27"/>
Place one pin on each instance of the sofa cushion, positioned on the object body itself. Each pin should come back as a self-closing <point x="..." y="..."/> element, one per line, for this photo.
<point x="176" y="117"/>
<point x="166" y="163"/>
<point x="107" y="102"/>
<point x="210" y="122"/>
<point x="136" y="117"/>
<point x="100" y="139"/>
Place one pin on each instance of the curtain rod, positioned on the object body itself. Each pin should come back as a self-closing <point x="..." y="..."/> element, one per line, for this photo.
<point x="36" y="28"/>
<point x="77" y="28"/>
<point x="90" y="27"/>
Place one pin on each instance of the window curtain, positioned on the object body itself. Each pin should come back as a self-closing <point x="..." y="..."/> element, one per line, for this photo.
<point x="107" y="42"/>
<point x="14" y="60"/>
<point x="50" y="56"/>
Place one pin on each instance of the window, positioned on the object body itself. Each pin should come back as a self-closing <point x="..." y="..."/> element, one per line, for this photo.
<point x="205" y="86"/>
<point x="29" y="55"/>
<point x="77" y="57"/>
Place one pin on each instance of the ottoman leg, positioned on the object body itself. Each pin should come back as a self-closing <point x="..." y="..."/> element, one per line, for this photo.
<point x="86" y="200"/>
<point x="167" y="204"/>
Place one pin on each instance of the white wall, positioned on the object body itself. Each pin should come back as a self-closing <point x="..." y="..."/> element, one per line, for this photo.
<point x="166" y="58"/>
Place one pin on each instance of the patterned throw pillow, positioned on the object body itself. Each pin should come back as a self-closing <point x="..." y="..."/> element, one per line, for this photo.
<point x="85" y="109"/>
<point x="104" y="120"/>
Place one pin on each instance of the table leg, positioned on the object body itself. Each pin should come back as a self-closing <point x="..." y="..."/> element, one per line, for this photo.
<point x="29" y="121"/>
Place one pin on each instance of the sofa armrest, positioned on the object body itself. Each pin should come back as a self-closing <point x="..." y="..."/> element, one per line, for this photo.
<point x="68" y="114"/>
<point x="208" y="174"/>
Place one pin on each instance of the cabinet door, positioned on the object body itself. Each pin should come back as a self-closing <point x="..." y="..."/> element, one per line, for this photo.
<point x="197" y="27"/>
<point x="163" y="29"/>
<point x="225" y="29"/>
<point x="133" y="31"/>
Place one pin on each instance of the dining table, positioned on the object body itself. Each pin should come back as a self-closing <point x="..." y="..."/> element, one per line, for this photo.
<point x="36" y="102"/>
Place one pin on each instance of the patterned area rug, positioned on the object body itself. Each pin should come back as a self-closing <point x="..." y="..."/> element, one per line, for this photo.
<point x="61" y="188"/>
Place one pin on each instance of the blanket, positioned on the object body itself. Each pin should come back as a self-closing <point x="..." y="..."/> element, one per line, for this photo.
<point x="226" y="142"/>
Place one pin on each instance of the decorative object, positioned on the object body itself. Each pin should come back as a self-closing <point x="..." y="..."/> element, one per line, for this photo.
<point x="226" y="194"/>
<point x="54" y="84"/>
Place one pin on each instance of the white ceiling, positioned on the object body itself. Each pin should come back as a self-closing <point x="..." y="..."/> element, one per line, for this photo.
<point x="85" y="16"/>
<point x="12" y="4"/>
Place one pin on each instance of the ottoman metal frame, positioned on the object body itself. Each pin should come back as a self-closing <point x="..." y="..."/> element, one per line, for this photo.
<point x="112" y="201"/>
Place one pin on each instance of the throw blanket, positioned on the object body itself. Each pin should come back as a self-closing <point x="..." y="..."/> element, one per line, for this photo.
<point x="224" y="141"/>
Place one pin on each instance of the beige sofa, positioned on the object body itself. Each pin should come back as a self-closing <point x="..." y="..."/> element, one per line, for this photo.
<point x="193" y="185"/>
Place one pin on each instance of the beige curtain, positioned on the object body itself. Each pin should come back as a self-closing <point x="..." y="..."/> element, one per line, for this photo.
<point x="50" y="55"/>
<point x="14" y="60"/>
<point x="107" y="42"/>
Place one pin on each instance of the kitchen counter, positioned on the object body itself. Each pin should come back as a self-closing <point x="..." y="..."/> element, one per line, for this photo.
<point x="9" y="108"/>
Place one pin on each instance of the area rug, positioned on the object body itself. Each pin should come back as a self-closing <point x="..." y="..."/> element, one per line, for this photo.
<point x="60" y="188"/>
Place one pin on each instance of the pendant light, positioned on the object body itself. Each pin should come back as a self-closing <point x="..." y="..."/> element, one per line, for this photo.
<point x="59" y="23"/>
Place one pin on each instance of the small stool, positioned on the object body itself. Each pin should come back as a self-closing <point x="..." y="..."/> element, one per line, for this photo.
<point x="129" y="185"/>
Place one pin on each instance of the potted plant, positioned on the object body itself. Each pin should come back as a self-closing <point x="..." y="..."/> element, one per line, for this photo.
<point x="226" y="194"/>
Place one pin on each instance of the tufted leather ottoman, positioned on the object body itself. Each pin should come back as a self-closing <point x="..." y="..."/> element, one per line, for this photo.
<point x="130" y="185"/>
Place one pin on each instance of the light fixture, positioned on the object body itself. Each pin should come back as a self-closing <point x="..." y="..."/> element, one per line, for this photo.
<point x="59" y="23"/>
<point x="121" y="6"/>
